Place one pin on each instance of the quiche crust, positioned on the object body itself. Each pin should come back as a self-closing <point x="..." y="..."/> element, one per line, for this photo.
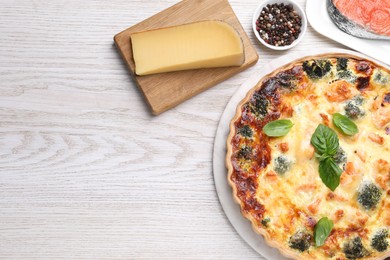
<point x="272" y="240"/>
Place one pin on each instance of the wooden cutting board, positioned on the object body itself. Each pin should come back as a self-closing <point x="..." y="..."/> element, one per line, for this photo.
<point x="165" y="90"/>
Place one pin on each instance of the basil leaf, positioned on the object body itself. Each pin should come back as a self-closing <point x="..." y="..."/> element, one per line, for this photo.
<point x="346" y="125"/>
<point x="278" y="127"/>
<point x="321" y="157"/>
<point x="330" y="173"/>
<point x="322" y="230"/>
<point x="325" y="140"/>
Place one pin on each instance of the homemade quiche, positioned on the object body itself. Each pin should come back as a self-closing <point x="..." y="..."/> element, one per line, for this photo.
<point x="308" y="158"/>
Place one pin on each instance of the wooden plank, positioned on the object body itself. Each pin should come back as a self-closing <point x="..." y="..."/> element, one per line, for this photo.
<point x="166" y="90"/>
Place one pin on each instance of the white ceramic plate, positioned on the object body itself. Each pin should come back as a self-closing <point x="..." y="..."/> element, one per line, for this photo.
<point x="224" y="191"/>
<point x="318" y="17"/>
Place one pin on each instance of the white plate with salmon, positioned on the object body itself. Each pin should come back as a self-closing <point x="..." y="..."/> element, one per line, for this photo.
<point x="369" y="21"/>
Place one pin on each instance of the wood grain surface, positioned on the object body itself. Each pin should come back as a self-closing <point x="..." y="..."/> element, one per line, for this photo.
<point x="163" y="91"/>
<point x="86" y="172"/>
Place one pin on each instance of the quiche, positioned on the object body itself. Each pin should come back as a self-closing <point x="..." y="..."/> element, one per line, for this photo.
<point x="308" y="158"/>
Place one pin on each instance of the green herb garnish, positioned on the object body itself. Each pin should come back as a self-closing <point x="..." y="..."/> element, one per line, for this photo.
<point x="322" y="230"/>
<point x="278" y="127"/>
<point x="346" y="125"/>
<point x="325" y="140"/>
<point x="330" y="173"/>
<point x="326" y="143"/>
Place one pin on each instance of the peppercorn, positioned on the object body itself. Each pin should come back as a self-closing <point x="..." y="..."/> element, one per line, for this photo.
<point x="279" y="24"/>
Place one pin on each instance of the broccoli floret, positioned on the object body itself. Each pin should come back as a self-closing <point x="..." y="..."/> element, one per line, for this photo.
<point x="381" y="77"/>
<point x="287" y="79"/>
<point x="342" y="63"/>
<point x="352" y="111"/>
<point x="245" y="152"/>
<point x="346" y="75"/>
<point x="259" y="105"/>
<point x="340" y="156"/>
<point x="353" y="108"/>
<point x="282" y="164"/>
<point x="301" y="241"/>
<point x="343" y="72"/>
<point x="379" y="240"/>
<point x="316" y="69"/>
<point x="245" y="131"/>
<point x="354" y="249"/>
<point x="369" y="195"/>
<point x="265" y="222"/>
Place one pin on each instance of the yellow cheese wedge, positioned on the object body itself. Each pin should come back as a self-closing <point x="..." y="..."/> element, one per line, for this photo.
<point x="205" y="44"/>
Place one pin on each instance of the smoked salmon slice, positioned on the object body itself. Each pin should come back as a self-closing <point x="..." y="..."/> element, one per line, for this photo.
<point x="361" y="18"/>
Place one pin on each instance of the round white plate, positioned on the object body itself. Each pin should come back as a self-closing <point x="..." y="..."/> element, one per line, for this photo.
<point x="231" y="208"/>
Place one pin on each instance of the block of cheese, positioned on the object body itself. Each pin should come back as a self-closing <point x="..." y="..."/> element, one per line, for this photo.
<point x="205" y="44"/>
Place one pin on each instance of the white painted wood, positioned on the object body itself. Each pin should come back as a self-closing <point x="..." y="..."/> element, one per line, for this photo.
<point x="86" y="172"/>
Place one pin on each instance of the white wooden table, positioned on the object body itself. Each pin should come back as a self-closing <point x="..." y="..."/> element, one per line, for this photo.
<point x="86" y="172"/>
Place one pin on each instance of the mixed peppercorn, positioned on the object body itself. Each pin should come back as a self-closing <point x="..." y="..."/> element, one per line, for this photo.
<point x="279" y="24"/>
